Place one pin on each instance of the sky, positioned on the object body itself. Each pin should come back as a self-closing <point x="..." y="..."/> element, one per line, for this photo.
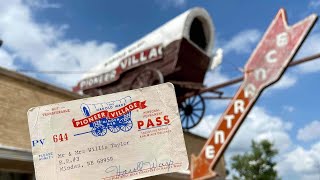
<point x="74" y="35"/>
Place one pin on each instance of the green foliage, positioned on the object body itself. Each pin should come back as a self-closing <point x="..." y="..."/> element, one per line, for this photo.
<point x="256" y="164"/>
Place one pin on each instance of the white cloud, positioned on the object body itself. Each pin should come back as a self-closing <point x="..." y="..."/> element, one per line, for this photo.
<point x="44" y="46"/>
<point x="214" y="105"/>
<point x="286" y="81"/>
<point x="205" y="127"/>
<point x="212" y="78"/>
<point x="310" y="47"/>
<point x="309" y="132"/>
<point x="6" y="59"/>
<point x="171" y="3"/>
<point x="304" y="163"/>
<point x="259" y="125"/>
<point x="288" y="108"/>
<point x="314" y="4"/>
<point x="243" y="42"/>
<point x="215" y="77"/>
<point x="43" y="4"/>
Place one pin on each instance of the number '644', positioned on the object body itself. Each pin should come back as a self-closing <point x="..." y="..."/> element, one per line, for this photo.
<point x="60" y="137"/>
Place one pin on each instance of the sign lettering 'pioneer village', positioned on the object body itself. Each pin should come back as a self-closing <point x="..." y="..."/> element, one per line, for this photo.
<point x="265" y="67"/>
<point x="132" y="61"/>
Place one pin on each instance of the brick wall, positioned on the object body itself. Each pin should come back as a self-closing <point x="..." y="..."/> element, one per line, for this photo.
<point x="17" y="94"/>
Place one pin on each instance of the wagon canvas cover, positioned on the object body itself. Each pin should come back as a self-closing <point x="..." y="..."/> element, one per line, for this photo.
<point x="147" y="49"/>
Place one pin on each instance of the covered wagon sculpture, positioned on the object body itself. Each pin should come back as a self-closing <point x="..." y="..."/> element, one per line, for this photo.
<point x="179" y="52"/>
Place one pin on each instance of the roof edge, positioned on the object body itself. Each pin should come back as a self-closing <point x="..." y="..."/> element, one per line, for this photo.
<point x="38" y="83"/>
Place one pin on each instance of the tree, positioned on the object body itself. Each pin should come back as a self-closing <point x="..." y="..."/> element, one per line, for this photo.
<point x="257" y="164"/>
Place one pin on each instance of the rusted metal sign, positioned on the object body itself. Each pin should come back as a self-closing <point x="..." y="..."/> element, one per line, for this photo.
<point x="265" y="66"/>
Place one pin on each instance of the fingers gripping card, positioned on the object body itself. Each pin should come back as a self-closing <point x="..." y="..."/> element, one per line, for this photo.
<point x="127" y="135"/>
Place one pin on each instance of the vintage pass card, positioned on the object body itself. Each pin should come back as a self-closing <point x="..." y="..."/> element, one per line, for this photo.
<point x="126" y="135"/>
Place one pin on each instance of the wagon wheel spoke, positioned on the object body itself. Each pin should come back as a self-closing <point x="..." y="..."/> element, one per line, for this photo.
<point x="197" y="103"/>
<point x="188" y="101"/>
<point x="147" y="77"/>
<point x="193" y="99"/>
<point x="196" y="115"/>
<point x="187" y="121"/>
<point x="184" y="104"/>
<point x="151" y="78"/>
<point x="192" y="120"/>
<point x="191" y="111"/>
<point x="144" y="79"/>
<point x="182" y="108"/>
<point x="182" y="120"/>
<point x="140" y="80"/>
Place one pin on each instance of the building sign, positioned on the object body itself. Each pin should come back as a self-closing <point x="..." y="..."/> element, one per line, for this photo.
<point x="265" y="67"/>
<point x="132" y="61"/>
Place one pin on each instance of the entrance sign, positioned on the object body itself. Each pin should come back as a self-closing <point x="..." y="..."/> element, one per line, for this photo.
<point x="265" y="67"/>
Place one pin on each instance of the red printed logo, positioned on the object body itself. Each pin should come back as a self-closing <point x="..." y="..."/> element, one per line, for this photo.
<point x="109" y="115"/>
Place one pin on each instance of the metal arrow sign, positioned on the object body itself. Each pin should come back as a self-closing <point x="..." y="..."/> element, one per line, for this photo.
<point x="264" y="67"/>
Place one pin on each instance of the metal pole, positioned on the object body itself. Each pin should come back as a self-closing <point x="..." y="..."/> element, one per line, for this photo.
<point x="239" y="79"/>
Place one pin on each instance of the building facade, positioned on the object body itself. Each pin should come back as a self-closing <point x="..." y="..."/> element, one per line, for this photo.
<point x="18" y="93"/>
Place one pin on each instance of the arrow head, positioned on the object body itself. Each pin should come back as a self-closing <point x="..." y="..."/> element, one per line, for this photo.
<point x="201" y="168"/>
<point x="276" y="49"/>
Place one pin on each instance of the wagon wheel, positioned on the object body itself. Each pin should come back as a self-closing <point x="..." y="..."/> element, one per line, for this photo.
<point x="113" y="125"/>
<point x="99" y="130"/>
<point x="146" y="78"/>
<point x="191" y="111"/>
<point x="126" y="125"/>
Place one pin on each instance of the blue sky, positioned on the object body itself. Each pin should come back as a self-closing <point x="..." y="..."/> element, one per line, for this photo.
<point x="75" y="35"/>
